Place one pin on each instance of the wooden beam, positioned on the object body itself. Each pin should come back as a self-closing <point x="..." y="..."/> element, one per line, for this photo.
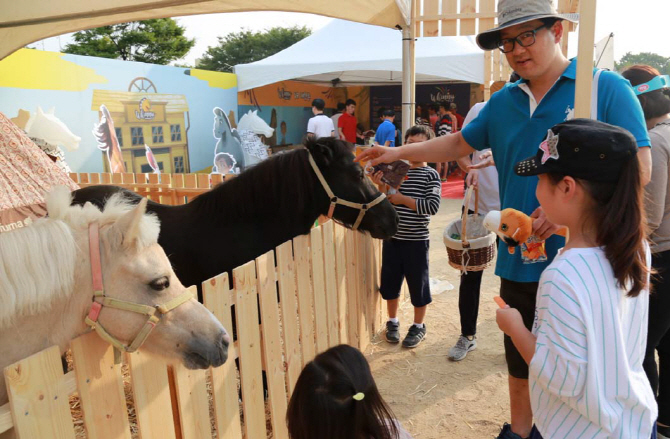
<point x="587" y="28"/>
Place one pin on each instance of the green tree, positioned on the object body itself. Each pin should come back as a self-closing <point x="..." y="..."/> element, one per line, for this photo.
<point x="661" y="63"/>
<point x="158" y="41"/>
<point x="247" y="46"/>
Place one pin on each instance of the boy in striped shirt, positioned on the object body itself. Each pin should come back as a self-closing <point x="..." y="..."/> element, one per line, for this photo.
<point x="405" y="256"/>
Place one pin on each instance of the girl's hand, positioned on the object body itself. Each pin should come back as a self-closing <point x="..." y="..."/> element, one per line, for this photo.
<point x="542" y="228"/>
<point x="509" y="320"/>
<point x="473" y="178"/>
<point x="486" y="161"/>
<point x="377" y="178"/>
<point x="379" y="154"/>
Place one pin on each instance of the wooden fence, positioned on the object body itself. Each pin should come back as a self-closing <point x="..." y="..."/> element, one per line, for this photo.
<point x="170" y="189"/>
<point x="311" y="293"/>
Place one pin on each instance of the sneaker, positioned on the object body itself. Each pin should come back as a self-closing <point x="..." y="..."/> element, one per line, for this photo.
<point x="392" y="333"/>
<point x="414" y="336"/>
<point x="462" y="347"/>
<point x="506" y="432"/>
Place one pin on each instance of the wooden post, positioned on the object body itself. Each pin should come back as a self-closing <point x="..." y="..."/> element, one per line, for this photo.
<point x="587" y="28"/>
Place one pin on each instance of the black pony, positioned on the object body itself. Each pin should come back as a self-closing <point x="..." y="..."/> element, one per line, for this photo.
<point x="265" y="206"/>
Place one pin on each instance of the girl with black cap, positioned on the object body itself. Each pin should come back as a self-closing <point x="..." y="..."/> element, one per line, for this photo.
<point x="588" y="340"/>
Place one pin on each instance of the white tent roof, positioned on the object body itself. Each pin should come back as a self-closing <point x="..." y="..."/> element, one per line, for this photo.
<point x="362" y="54"/>
<point x="26" y="21"/>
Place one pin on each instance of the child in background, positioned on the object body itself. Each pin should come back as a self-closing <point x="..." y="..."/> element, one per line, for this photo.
<point x="405" y="256"/>
<point x="588" y="341"/>
<point x="336" y="397"/>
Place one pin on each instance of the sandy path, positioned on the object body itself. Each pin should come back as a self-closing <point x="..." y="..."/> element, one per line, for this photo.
<point x="432" y="396"/>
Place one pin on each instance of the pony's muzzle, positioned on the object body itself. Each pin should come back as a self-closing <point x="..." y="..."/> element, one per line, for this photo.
<point x="202" y="354"/>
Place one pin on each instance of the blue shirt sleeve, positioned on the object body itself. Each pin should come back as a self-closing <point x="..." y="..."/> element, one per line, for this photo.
<point x="618" y="105"/>
<point x="476" y="133"/>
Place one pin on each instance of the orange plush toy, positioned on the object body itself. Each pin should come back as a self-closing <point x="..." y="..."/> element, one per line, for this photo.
<point x="515" y="228"/>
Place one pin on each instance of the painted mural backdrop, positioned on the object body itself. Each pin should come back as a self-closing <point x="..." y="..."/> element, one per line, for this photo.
<point x="104" y="115"/>
<point x="287" y="106"/>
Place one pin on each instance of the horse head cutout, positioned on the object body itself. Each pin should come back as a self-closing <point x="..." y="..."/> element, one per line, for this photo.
<point x="48" y="127"/>
<point x="254" y="123"/>
<point x="350" y="186"/>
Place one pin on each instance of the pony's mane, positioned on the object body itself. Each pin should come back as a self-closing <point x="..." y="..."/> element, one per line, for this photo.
<point x="39" y="261"/>
<point x="284" y="179"/>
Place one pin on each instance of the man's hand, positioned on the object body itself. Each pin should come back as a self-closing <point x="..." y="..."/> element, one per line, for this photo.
<point x="509" y="320"/>
<point x="486" y="161"/>
<point x="379" y="154"/>
<point x="542" y="228"/>
<point x="473" y="178"/>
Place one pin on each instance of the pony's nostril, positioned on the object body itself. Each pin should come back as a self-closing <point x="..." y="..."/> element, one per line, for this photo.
<point x="225" y="339"/>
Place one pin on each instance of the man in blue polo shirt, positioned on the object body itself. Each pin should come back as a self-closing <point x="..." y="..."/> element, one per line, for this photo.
<point x="385" y="134"/>
<point x="512" y="124"/>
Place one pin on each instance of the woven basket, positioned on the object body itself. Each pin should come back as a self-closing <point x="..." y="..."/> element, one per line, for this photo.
<point x="474" y="250"/>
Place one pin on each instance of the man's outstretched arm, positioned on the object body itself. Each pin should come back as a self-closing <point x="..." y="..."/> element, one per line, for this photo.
<point x="440" y="149"/>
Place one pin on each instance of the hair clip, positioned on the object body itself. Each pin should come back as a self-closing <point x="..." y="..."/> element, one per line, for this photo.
<point x="359" y="396"/>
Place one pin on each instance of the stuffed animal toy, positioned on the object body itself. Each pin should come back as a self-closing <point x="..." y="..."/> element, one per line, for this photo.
<point x="515" y="228"/>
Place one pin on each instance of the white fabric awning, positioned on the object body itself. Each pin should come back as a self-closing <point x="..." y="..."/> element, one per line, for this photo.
<point x="26" y="21"/>
<point x="358" y="54"/>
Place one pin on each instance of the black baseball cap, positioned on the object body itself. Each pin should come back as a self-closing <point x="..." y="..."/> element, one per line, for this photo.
<point x="581" y="148"/>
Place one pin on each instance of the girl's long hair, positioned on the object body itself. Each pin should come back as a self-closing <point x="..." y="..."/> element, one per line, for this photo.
<point x="654" y="103"/>
<point x="323" y="406"/>
<point x="618" y="215"/>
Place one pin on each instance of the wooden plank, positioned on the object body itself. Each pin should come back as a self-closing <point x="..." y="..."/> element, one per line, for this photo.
<point x="249" y="339"/>
<point x="177" y="180"/>
<point x="431" y="27"/>
<point x="584" y="80"/>
<point x="352" y="284"/>
<point x="203" y="181"/>
<point x="37" y="398"/>
<point x="449" y="25"/>
<point x="272" y="345"/>
<point x="289" y="312"/>
<point x="5" y="418"/>
<point x="106" y="178"/>
<point x="319" y="289"/>
<point x="331" y="288"/>
<point x="190" y="181"/>
<point x="216" y="179"/>
<point x="468" y="24"/>
<point x="364" y="325"/>
<point x="193" y="402"/>
<point x="151" y="392"/>
<point x="74" y="177"/>
<point x="218" y="299"/>
<point x="341" y="282"/>
<point x="100" y="388"/>
<point x="94" y="178"/>
<point x="303" y="270"/>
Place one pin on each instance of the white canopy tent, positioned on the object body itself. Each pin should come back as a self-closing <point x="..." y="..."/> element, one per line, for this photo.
<point x="351" y="53"/>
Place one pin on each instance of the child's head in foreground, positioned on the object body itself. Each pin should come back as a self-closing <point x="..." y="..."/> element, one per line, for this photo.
<point x="416" y="134"/>
<point x="337" y="398"/>
<point x="589" y="180"/>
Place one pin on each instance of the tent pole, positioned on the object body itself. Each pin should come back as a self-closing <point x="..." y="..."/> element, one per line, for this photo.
<point x="407" y="106"/>
<point x="587" y="30"/>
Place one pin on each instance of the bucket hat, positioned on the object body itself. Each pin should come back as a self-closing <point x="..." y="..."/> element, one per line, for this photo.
<point x="513" y="12"/>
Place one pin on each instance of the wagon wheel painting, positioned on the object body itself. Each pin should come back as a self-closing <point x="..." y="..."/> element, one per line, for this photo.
<point x="141" y="84"/>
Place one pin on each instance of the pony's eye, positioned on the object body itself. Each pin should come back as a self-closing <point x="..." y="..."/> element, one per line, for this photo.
<point x="160" y="284"/>
<point x="503" y="227"/>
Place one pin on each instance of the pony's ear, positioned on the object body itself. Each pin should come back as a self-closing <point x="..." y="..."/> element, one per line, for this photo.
<point x="129" y="224"/>
<point x="319" y="150"/>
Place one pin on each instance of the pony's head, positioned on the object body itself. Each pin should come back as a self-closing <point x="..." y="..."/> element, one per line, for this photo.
<point x="254" y="123"/>
<point x="52" y="130"/>
<point x="222" y="125"/>
<point x="348" y="181"/>
<point x="136" y="270"/>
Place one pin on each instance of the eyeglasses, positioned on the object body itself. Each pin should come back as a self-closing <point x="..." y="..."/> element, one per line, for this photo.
<point x="524" y="39"/>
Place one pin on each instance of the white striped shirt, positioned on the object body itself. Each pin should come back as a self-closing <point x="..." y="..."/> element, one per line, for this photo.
<point x="424" y="185"/>
<point x="586" y="377"/>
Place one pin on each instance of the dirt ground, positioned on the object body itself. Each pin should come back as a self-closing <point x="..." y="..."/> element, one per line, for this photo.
<point x="432" y="396"/>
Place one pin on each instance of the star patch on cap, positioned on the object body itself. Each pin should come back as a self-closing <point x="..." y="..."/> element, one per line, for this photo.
<point x="549" y="147"/>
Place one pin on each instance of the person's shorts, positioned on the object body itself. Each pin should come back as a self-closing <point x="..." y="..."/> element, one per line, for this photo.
<point x="405" y="260"/>
<point x="522" y="296"/>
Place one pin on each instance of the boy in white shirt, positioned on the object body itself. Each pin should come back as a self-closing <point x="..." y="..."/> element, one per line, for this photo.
<point x="320" y="125"/>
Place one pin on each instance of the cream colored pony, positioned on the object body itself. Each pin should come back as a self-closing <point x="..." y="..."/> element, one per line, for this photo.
<point x="46" y="286"/>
